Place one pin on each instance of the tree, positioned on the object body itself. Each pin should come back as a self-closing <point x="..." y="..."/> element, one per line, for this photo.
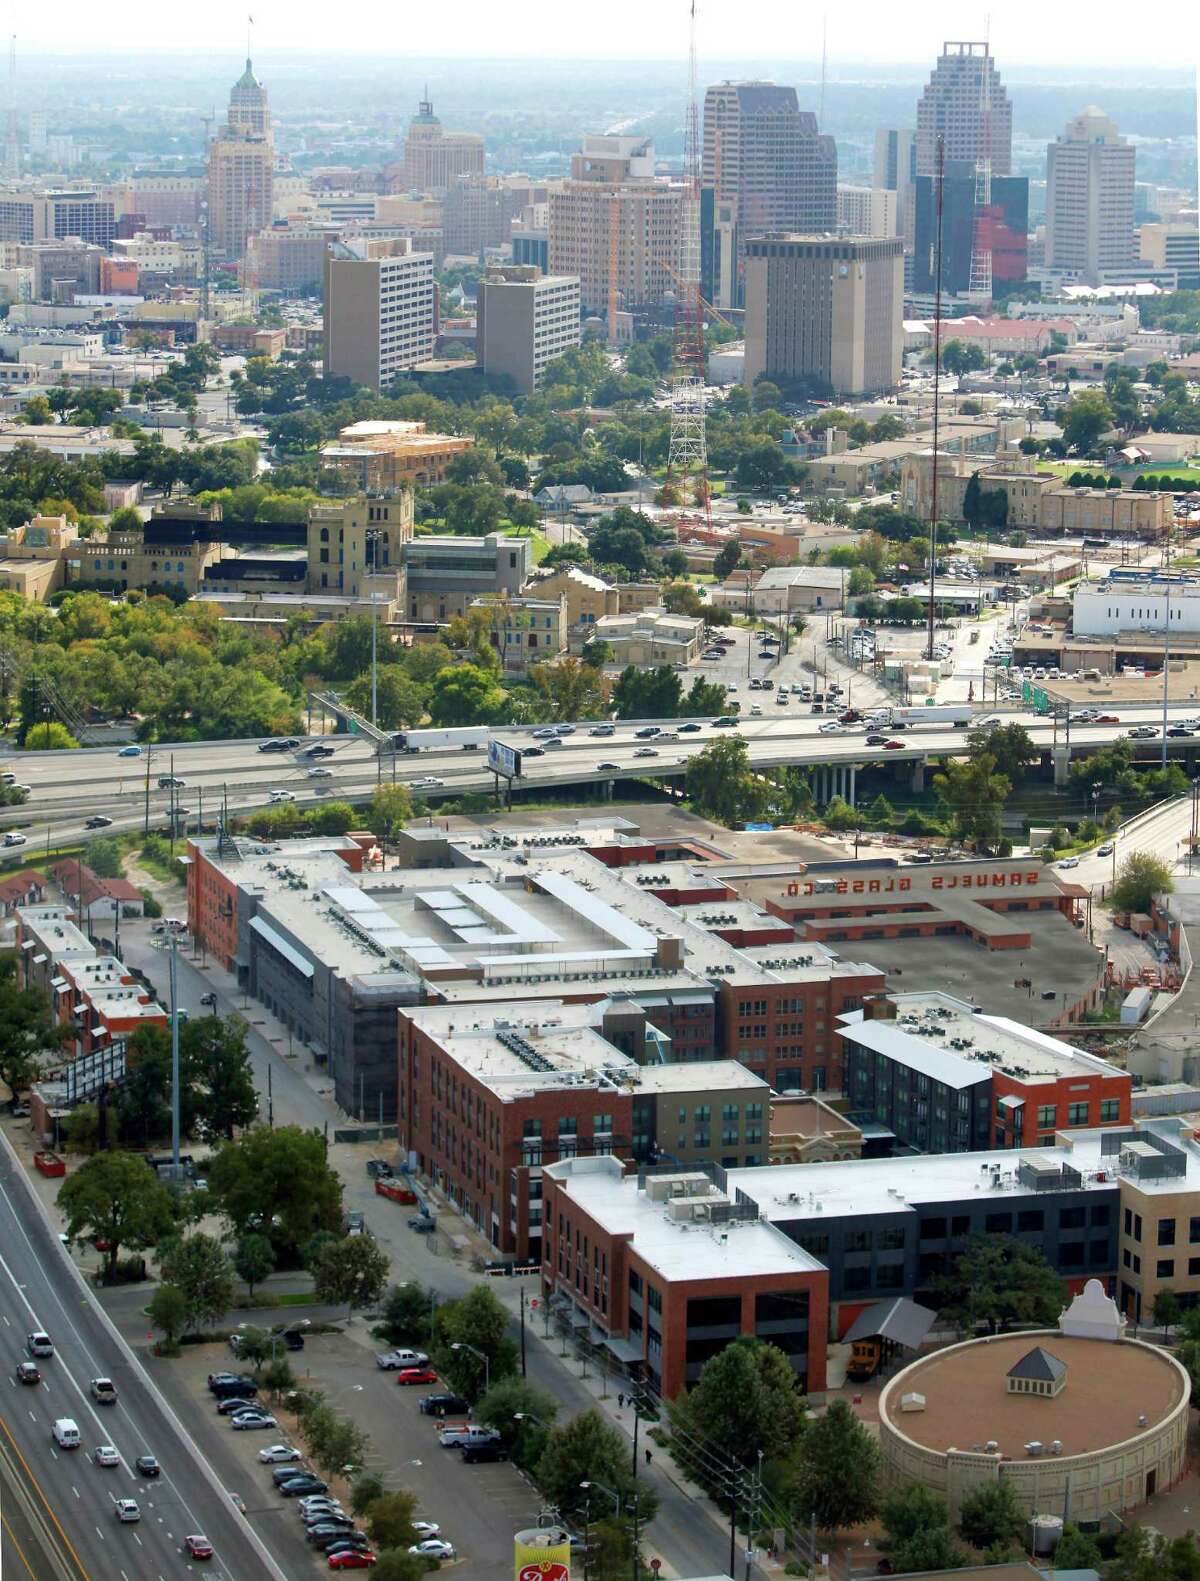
<point x="917" y="1531"/>
<point x="1143" y="1555"/>
<point x="254" y="1260"/>
<point x="49" y="736"/>
<point x="397" y="1564"/>
<point x="1076" y="1551"/>
<point x="500" y="1408"/>
<point x="744" y="1402"/>
<point x="466" y="695"/>
<point x="478" y="1320"/>
<point x="277" y="1180"/>
<point x="1084" y="418"/>
<point x="117" y="1198"/>
<point x="991" y="1513"/>
<point x="681" y="598"/>
<point x="390" y="1520"/>
<point x="727" y="559"/>
<point x="837" y="1470"/>
<point x="334" y="1441"/>
<point x="217" y="1062"/>
<point x="167" y="1310"/>
<point x="975" y="794"/>
<point x="881" y="812"/>
<point x="572" y="689"/>
<point x="389" y="810"/>
<point x="202" y="1271"/>
<point x="25" y="1028"/>
<point x="353" y="1270"/>
<point x="860" y="581"/>
<point x="364" y="1490"/>
<point x="399" y="700"/>
<point x="722" y="785"/>
<point x="999" y="1280"/>
<point x="963" y="356"/>
<point x="705" y="700"/>
<point x="407" y="1314"/>
<point x="1166" y="1309"/>
<point x="587" y="1449"/>
<point x="105" y="862"/>
<point x="1140" y="878"/>
<point x="1010" y="746"/>
<point x="647" y="694"/>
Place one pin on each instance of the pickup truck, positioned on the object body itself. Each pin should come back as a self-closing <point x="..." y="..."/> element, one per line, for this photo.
<point x="104" y="1391"/>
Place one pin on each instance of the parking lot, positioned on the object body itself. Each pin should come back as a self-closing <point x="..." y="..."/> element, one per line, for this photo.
<point x="473" y="1504"/>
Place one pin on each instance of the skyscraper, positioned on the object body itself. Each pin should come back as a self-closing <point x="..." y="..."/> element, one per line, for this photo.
<point x="379" y="311"/>
<point x="1089" y="199"/>
<point x="434" y="159"/>
<point x="825" y="310"/>
<point x="895" y="171"/>
<point x="241" y="160"/>
<point x="1003" y="226"/>
<point x="964" y="80"/>
<point x="766" y="167"/>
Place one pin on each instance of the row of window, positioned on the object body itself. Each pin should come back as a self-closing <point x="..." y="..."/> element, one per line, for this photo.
<point x="1165" y="1229"/>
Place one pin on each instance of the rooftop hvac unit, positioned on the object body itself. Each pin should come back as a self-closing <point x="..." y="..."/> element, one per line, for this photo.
<point x="1056" y="1447"/>
<point x="992" y="1447"/>
<point x="1035" y="1448"/>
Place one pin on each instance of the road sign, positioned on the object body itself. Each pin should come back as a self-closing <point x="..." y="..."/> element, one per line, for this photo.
<point x="1040" y="701"/>
<point x="503" y="759"/>
<point x="1026" y="692"/>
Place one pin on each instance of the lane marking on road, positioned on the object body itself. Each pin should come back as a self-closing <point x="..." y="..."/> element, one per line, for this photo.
<point x="7" y="1431"/>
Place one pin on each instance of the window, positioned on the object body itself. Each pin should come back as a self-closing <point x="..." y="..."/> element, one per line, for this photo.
<point x="1166" y="1232"/>
<point x="655" y="1298"/>
<point x="1194" y="1265"/>
<point x="1165" y="1268"/>
<point x="998" y="1223"/>
<point x="568" y="1127"/>
<point x="858" y="1241"/>
<point x="1031" y="1219"/>
<point x="1077" y="1113"/>
<point x="1099" y="1215"/>
<point x="933" y="1229"/>
<point x="1047" y="1115"/>
<point x="602" y="1124"/>
<point x="703" y="1114"/>
<point x="1110" y="1109"/>
<point x="1194" y="1231"/>
<point x="1071" y="1219"/>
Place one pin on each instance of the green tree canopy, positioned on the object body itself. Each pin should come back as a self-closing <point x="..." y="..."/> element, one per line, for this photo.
<point x="998" y="1280"/>
<point x="745" y="1401"/>
<point x="588" y="1449"/>
<point x="1010" y="747"/>
<point x="991" y="1513"/>
<point x="353" y="1270"/>
<point x="837" y="1470"/>
<point x="722" y="785"/>
<point x="115" y="1197"/>
<point x="254" y="1259"/>
<point x="26" y="1029"/>
<point x="277" y="1180"/>
<point x="1140" y="878"/>
<point x="975" y="793"/>
<point x="200" y="1268"/>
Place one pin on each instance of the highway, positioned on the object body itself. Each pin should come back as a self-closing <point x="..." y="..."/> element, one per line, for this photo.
<point x="66" y="788"/>
<point x="72" y="1496"/>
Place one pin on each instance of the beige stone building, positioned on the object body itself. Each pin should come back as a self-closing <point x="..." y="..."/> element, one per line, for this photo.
<point x="434" y="158"/>
<point x="614" y="203"/>
<point x="525" y="631"/>
<point x="810" y="1131"/>
<point x="356" y="548"/>
<point x="33" y="561"/>
<point x="125" y="560"/>
<point x="525" y="320"/>
<point x="589" y="598"/>
<point x="379" y="311"/>
<point x="648" y="637"/>
<point x="384" y="455"/>
<point x="288" y="258"/>
<point x="241" y="163"/>
<point x="1038" y="501"/>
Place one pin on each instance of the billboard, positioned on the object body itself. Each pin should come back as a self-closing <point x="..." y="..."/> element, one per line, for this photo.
<point x="86" y="1075"/>
<point x="503" y="759"/>
<point x="542" y="1554"/>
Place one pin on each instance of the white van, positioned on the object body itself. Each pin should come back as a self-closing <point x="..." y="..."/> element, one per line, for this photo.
<point x="13" y="838"/>
<point x="66" y="1434"/>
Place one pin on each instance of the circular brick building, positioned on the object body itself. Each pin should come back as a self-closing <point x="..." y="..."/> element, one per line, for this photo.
<point x="1078" y="1425"/>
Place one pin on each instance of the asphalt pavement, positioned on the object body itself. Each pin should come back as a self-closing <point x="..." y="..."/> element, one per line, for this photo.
<point x="40" y="1288"/>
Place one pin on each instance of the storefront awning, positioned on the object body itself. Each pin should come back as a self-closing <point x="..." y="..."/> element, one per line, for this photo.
<point x="281" y="946"/>
<point x="623" y="1349"/>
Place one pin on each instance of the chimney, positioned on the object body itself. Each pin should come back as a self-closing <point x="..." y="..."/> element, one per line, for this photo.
<point x="668" y="955"/>
<point x="878" y="1007"/>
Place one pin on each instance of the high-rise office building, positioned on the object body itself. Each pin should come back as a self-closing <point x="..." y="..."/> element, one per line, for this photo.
<point x="866" y="211"/>
<point x="241" y="160"/>
<point x="1004" y="226"/>
<point x="612" y="205"/>
<point x="524" y="320"/>
<point x="434" y="159"/>
<point x="1175" y="246"/>
<point x="380" y="317"/>
<point x="1089" y="199"/>
<point x="966" y="104"/>
<point x="33" y="216"/>
<point x="824" y="309"/>
<point x="896" y="170"/>
<point x="767" y="168"/>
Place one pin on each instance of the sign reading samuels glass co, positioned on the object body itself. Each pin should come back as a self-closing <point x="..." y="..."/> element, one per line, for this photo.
<point x="1005" y="878"/>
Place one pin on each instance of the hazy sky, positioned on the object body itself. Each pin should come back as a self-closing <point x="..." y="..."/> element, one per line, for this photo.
<point x="1100" y="33"/>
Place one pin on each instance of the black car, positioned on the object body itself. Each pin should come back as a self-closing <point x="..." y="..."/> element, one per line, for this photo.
<point x="378" y="1168"/>
<point x="146" y="1466"/>
<point x="234" y="1403"/>
<point x="875" y="739"/>
<point x="647" y="732"/>
<point x="298" y="1486"/>
<point x="472" y="1453"/>
<point x="443" y="1405"/>
<point x="293" y="1339"/>
<point x="270" y="746"/>
<point x="328" y="1526"/>
<point x="227" y="1383"/>
<point x="98" y="822"/>
<point x="319" y="751"/>
<point x="1179" y="730"/>
<point x="533" y="752"/>
<point x="289" y="1473"/>
<point x="341" y="1541"/>
<point x="690" y="728"/>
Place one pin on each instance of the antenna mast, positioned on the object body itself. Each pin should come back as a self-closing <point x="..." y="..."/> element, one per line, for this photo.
<point x="981" y="225"/>
<point x="824" y="68"/>
<point x="12" y="139"/>
<point x="205" y="218"/>
<point x="688" y="453"/>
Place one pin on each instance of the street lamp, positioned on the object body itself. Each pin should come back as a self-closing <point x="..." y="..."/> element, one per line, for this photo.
<point x="480" y="1356"/>
<point x="528" y="1416"/>
<point x="604" y="1488"/>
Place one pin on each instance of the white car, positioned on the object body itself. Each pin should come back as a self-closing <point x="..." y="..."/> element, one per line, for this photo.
<point x="1069" y="861"/>
<point x="282" y="795"/>
<point x="281" y="1453"/>
<point x="425" y="1529"/>
<point x="829" y="728"/>
<point x="251" y="1421"/>
<point x="106" y="1455"/>
<point x="433" y="1548"/>
<point x="320" y="774"/>
<point x="431" y="781"/>
<point x="127" y="1510"/>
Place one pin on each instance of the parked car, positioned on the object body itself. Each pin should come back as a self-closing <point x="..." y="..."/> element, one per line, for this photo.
<point x="299" y="1485"/>
<point x="433" y="1548"/>
<point x="234" y="1404"/>
<point x="459" y="1433"/>
<point x="443" y="1405"/>
<point x="410" y="1375"/>
<point x="251" y="1421"/>
<point x="352" y="1559"/>
<point x="472" y="1453"/>
<point x="395" y="1360"/>
<point x="232" y="1383"/>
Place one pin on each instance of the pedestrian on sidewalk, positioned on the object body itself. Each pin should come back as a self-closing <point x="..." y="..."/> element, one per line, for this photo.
<point x="620" y="1402"/>
<point x="647" y="1457"/>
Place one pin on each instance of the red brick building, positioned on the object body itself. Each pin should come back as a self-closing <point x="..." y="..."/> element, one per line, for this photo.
<point x="665" y="1270"/>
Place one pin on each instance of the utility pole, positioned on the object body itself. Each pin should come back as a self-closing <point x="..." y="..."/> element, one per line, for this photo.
<point x="174" y="1062"/>
<point x="937" y="379"/>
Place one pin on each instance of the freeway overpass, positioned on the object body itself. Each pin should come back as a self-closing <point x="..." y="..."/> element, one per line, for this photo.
<point x="66" y="788"/>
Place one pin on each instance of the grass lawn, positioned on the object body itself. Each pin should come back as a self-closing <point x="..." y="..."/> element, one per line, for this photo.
<point x="538" y="540"/>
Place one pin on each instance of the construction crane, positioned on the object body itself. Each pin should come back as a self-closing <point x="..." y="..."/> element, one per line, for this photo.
<point x="687" y="458"/>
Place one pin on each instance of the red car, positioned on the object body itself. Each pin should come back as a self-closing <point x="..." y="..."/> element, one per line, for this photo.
<point x="197" y="1547"/>
<point x="892" y="746"/>
<point x="352" y="1559"/>
<point x="416" y="1375"/>
<point x="1106" y="719"/>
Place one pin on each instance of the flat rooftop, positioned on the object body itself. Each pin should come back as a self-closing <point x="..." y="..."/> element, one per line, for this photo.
<point x="852" y="1187"/>
<point x="703" y="1075"/>
<point x="513" y="1058"/>
<point x="1109" y="1387"/>
<point x="949" y="1041"/>
<point x="678" y="1249"/>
